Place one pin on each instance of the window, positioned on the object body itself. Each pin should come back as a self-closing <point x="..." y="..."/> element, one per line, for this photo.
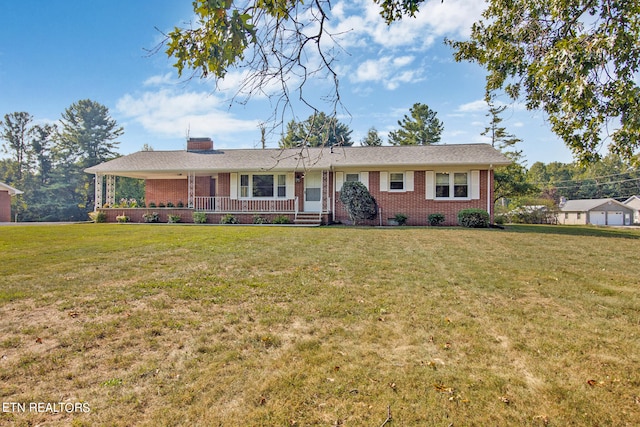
<point x="460" y="184"/>
<point x="263" y="186"/>
<point x="396" y="181"/>
<point x="442" y="185"/>
<point x="458" y="187"/>
<point x="282" y="186"/>
<point x="244" y="185"/>
<point x="352" y="177"/>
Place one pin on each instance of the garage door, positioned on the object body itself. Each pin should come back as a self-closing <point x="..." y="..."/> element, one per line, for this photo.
<point x="615" y="218"/>
<point x="598" y="217"/>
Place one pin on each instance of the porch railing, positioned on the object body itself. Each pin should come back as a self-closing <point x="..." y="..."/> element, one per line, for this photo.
<point x="227" y="204"/>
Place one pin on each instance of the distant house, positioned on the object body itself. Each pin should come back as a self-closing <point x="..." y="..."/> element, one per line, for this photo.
<point x="595" y="212"/>
<point x="304" y="183"/>
<point x="6" y="191"/>
<point x="634" y="203"/>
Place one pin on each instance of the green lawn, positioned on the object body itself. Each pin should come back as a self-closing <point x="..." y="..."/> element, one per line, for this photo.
<point x="165" y="325"/>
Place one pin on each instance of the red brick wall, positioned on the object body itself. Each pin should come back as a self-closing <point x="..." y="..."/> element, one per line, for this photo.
<point x="5" y="206"/>
<point x="413" y="203"/>
<point x="166" y="190"/>
<point x="186" y="215"/>
<point x="224" y="185"/>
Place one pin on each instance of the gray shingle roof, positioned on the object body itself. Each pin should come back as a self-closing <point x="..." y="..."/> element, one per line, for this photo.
<point x="586" y="205"/>
<point x="147" y="163"/>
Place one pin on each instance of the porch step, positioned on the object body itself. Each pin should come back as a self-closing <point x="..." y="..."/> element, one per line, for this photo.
<point x="308" y="218"/>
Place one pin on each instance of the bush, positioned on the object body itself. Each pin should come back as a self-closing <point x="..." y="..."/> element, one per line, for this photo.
<point x="170" y="205"/>
<point x="152" y="204"/>
<point x="401" y="218"/>
<point x="358" y="202"/>
<point x="98" y="216"/>
<point x="199" y="218"/>
<point x="122" y="218"/>
<point x="173" y="219"/>
<point x="150" y="217"/>
<point x="473" y="218"/>
<point x="257" y="219"/>
<point x="281" y="219"/>
<point x="229" y="219"/>
<point x="435" y="219"/>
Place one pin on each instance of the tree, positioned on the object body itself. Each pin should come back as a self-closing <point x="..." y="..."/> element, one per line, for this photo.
<point x="510" y="181"/>
<point x="40" y="151"/>
<point x="15" y="130"/>
<point x="576" y="59"/>
<point x="88" y="134"/>
<point x="358" y="202"/>
<point x="319" y="130"/>
<point x="421" y="128"/>
<point x="87" y="137"/>
<point x="372" y="139"/>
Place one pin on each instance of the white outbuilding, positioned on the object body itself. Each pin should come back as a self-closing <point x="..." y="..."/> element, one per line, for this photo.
<point x="595" y="212"/>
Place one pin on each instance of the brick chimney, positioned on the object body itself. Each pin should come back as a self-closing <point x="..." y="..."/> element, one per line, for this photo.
<point x="199" y="144"/>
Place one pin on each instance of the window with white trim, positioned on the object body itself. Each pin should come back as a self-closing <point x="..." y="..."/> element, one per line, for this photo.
<point x="263" y="186"/>
<point x="396" y="181"/>
<point x="352" y="177"/>
<point x="452" y="185"/>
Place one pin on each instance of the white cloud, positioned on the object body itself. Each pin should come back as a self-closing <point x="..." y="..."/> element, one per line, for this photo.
<point x="386" y="70"/>
<point x="360" y="19"/>
<point x="473" y="107"/>
<point x="159" y="80"/>
<point x="168" y="113"/>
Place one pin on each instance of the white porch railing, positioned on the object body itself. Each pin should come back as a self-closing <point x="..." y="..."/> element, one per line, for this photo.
<point x="229" y="205"/>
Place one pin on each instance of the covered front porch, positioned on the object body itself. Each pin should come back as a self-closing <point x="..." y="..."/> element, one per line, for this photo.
<point x="303" y="197"/>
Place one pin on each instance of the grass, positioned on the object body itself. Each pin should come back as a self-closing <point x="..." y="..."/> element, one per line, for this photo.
<point x="234" y="326"/>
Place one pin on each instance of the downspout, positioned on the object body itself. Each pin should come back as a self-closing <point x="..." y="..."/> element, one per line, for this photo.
<point x="489" y="191"/>
<point x="333" y="199"/>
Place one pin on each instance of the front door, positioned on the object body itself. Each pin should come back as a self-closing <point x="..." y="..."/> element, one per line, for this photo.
<point x="313" y="192"/>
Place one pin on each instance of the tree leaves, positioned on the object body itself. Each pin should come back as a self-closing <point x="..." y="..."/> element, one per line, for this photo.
<point x="422" y="127"/>
<point x="578" y="60"/>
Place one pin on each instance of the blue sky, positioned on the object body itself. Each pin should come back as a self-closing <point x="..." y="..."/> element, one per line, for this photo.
<point x="56" y="52"/>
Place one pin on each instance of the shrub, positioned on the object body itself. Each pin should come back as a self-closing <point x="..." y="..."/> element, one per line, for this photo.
<point x="170" y="205"/>
<point x="473" y="218"/>
<point x="435" y="219"/>
<point x="229" y="219"/>
<point x="173" y="219"/>
<point x="122" y="218"/>
<point x="150" y="217"/>
<point x="401" y="218"/>
<point x="257" y="219"/>
<point x="152" y="204"/>
<point x="199" y="218"/>
<point x="98" y="216"/>
<point x="358" y="202"/>
<point x="281" y="219"/>
<point x="180" y="204"/>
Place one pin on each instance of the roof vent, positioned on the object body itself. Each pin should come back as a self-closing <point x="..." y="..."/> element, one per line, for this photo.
<point x="199" y="144"/>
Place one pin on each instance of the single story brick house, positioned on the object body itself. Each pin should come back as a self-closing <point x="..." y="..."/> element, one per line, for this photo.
<point x="6" y="191"/>
<point x="304" y="183"/>
<point x="595" y="212"/>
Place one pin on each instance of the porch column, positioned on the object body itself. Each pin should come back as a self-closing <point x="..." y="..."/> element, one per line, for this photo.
<point x="111" y="189"/>
<point x="192" y="189"/>
<point x="326" y="195"/>
<point x="98" y="190"/>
